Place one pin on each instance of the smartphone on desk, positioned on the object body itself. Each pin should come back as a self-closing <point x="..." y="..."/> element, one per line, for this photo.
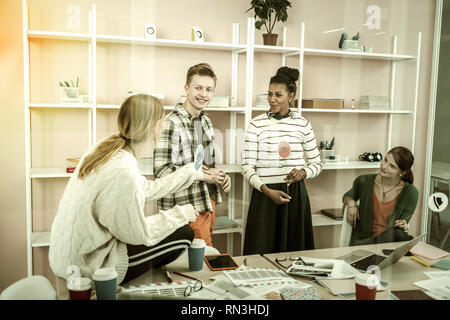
<point x="217" y="262"/>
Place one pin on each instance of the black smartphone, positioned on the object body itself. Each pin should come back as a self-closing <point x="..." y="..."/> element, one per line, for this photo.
<point x="220" y="262"/>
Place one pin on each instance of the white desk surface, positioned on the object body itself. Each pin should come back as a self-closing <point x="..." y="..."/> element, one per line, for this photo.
<point x="159" y="275"/>
<point x="400" y="276"/>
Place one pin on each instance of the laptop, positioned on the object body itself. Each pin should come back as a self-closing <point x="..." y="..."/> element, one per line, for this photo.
<point x="362" y="259"/>
<point x="336" y="214"/>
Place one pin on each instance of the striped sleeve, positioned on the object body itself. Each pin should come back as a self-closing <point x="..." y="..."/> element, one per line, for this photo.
<point x="167" y="150"/>
<point x="250" y="157"/>
<point x="312" y="155"/>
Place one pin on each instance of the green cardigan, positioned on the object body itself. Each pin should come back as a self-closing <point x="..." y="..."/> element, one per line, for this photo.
<point x="362" y="190"/>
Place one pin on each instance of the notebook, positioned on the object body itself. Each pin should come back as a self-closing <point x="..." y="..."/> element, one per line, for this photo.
<point x="336" y="214"/>
<point x="410" y="295"/>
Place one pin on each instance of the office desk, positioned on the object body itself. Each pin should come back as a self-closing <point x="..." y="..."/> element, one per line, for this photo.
<point x="400" y="275"/>
<point x="159" y="275"/>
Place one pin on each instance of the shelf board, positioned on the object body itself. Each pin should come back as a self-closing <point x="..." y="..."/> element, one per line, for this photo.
<point x="169" y="108"/>
<point x="351" y="165"/>
<point x="236" y="228"/>
<point x="61" y="105"/>
<point x="40" y="239"/>
<point x="39" y="34"/>
<point x="276" y="49"/>
<point x="366" y="111"/>
<point x="43" y="173"/>
<point x="357" y="111"/>
<point x="356" y="55"/>
<point x="102" y="38"/>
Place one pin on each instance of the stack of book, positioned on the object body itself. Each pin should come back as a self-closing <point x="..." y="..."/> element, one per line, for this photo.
<point x="374" y="103"/>
<point x="261" y="101"/>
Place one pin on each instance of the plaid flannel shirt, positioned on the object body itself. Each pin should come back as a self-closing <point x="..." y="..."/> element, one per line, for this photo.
<point x="175" y="148"/>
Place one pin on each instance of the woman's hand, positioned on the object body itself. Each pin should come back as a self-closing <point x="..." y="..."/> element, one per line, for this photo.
<point x="352" y="215"/>
<point x="402" y="224"/>
<point x="295" y="175"/>
<point x="213" y="176"/>
<point x="277" y="196"/>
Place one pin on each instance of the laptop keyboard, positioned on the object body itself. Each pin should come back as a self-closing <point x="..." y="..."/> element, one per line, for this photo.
<point x="372" y="260"/>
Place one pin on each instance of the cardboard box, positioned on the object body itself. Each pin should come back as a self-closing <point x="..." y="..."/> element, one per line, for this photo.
<point x="323" y="103"/>
<point x="375" y="103"/>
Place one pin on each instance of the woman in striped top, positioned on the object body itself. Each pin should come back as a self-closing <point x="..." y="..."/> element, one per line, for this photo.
<point x="280" y="152"/>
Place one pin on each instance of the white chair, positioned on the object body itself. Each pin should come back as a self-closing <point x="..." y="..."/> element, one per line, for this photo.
<point x="346" y="231"/>
<point x="183" y="260"/>
<point x="31" y="288"/>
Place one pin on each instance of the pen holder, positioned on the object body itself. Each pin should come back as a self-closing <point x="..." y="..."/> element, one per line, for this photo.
<point x="325" y="154"/>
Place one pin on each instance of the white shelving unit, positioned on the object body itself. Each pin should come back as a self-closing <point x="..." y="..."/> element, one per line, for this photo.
<point x="41" y="239"/>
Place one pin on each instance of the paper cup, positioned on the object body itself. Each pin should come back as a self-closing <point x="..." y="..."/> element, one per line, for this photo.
<point x="365" y="286"/>
<point x="105" y="281"/>
<point x="196" y="253"/>
<point x="79" y="288"/>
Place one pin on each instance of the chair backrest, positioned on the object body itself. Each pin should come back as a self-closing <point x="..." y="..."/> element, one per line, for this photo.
<point x="31" y="288"/>
<point x="346" y="231"/>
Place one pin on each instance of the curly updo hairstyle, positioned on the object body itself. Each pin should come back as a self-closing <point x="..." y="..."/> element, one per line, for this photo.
<point x="286" y="76"/>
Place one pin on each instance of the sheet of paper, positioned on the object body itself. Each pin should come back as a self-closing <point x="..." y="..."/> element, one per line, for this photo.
<point x="323" y="269"/>
<point x="437" y="274"/>
<point x="439" y="287"/>
<point x="427" y="251"/>
<point x="174" y="289"/>
<point x="257" y="277"/>
<point x="263" y="290"/>
<point x="342" y="286"/>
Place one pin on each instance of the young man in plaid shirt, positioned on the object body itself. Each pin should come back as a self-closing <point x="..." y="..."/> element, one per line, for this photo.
<point x="183" y="130"/>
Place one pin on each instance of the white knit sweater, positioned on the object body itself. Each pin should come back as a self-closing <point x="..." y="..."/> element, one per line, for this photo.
<point x="99" y="215"/>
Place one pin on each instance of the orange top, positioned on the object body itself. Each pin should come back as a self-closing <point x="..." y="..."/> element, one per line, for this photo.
<point x="381" y="214"/>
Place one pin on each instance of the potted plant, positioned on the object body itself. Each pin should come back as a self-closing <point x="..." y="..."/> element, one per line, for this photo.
<point x="267" y="14"/>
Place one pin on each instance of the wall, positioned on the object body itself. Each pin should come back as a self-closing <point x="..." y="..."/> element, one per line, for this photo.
<point x="58" y="134"/>
<point x="13" y="260"/>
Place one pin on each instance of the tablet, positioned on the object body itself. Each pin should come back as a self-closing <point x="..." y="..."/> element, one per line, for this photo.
<point x="220" y="262"/>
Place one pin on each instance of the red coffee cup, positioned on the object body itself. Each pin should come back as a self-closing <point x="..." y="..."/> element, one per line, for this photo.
<point x="79" y="288"/>
<point x="366" y="286"/>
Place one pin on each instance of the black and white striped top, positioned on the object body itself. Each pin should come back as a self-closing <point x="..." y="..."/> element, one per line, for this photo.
<point x="262" y="162"/>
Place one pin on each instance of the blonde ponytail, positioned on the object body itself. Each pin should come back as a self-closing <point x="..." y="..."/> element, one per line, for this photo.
<point x="137" y="119"/>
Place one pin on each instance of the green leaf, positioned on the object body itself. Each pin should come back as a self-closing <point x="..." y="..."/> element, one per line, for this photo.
<point x="259" y="24"/>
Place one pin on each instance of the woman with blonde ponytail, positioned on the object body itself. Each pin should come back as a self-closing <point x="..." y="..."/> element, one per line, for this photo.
<point x="387" y="201"/>
<point x="100" y="220"/>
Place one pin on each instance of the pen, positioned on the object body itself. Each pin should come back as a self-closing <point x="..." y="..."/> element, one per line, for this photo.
<point x="421" y="261"/>
<point x="169" y="279"/>
<point x="185" y="275"/>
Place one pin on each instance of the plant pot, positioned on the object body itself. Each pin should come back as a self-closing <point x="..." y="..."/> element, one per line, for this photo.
<point x="270" y="39"/>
